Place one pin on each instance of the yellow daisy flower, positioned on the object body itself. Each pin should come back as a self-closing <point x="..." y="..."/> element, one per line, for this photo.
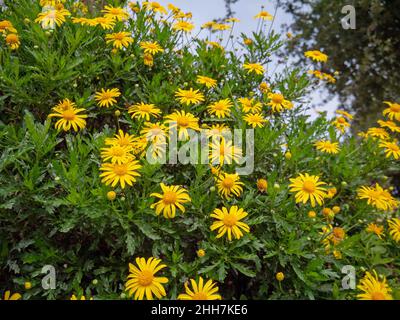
<point x="116" y="13"/>
<point x="254" y="67"/>
<point x="200" y="291"/>
<point x="189" y="97"/>
<point x="173" y="8"/>
<point x="173" y="197"/>
<point x="221" y="108"/>
<point x="221" y="27"/>
<point x="142" y="280"/>
<point x="215" y="45"/>
<point x="217" y="131"/>
<point x="308" y="188"/>
<point x="378" y="133"/>
<point x="327" y="146"/>
<point x="154" y="6"/>
<point x="341" y="124"/>
<point x="123" y="173"/>
<point x="151" y="47"/>
<point x="69" y="117"/>
<point x="183" y="26"/>
<point x="228" y="222"/>
<point x="255" y="119"/>
<point x="105" y="23"/>
<point x="377" y="197"/>
<point x="232" y="20"/>
<point x="119" y="39"/>
<point x="182" y="122"/>
<point x="208" y="82"/>
<point x="222" y="151"/>
<point x="144" y="111"/>
<point x="393" y="112"/>
<point x="394" y="229"/>
<point x="229" y="184"/>
<point x="208" y="25"/>
<point x="278" y="102"/>
<point x="121" y="139"/>
<point x="316" y="55"/>
<point x="374" y="289"/>
<point x="264" y="15"/>
<point x="106" y="98"/>
<point x="9" y="296"/>
<point x="392" y="126"/>
<point x="64" y="105"/>
<point x="376" y="229"/>
<point x="7" y="26"/>
<point x="262" y="185"/>
<point x="392" y="149"/>
<point x="154" y="131"/>
<point x="117" y="154"/>
<point x="52" y="17"/>
<point x="148" y="59"/>
<point x="250" y="105"/>
<point x="344" y="114"/>
<point x="12" y="40"/>
<point x="264" y="87"/>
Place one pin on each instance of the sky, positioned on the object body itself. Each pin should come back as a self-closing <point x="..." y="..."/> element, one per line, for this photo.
<point x="245" y="10"/>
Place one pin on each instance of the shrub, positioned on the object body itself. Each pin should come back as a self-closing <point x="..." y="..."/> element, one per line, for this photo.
<point x="125" y="73"/>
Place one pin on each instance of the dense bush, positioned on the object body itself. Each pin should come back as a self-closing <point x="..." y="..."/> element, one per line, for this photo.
<point x="57" y="210"/>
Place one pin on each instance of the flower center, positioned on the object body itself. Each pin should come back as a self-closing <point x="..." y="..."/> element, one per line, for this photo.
<point x="190" y="95"/>
<point x="118" y="152"/>
<point x="69" y="115"/>
<point x="156" y="132"/>
<point x="277" y="98"/>
<point x="254" y="118"/>
<point x="309" y="186"/>
<point x="199" y="296"/>
<point x="341" y="120"/>
<point x="183" y="121"/>
<point x="377" y="296"/>
<point x="145" y="108"/>
<point x="52" y="14"/>
<point x="4" y="25"/>
<point x="106" y="95"/>
<point x="394" y="148"/>
<point x="12" y="38"/>
<point x="338" y="233"/>
<point x="120" y="169"/>
<point x="228" y="183"/>
<point x="219" y="106"/>
<point x="230" y="220"/>
<point x="169" y="197"/>
<point x="119" y="36"/>
<point x="145" y="278"/>
<point x="376" y="195"/>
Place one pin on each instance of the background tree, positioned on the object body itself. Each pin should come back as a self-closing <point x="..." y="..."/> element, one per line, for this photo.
<point x="368" y="58"/>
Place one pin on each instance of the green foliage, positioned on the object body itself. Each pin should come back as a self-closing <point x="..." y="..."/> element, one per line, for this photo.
<point x="54" y="209"/>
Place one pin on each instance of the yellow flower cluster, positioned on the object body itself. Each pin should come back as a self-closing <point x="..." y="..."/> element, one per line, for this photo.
<point x="143" y="283"/>
<point x="10" y="34"/>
